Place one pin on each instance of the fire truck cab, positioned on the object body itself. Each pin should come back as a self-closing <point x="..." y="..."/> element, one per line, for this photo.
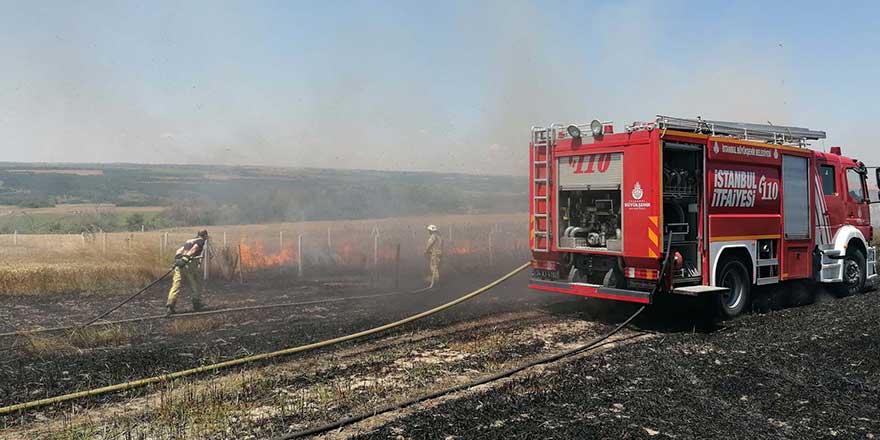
<point x="694" y="207"/>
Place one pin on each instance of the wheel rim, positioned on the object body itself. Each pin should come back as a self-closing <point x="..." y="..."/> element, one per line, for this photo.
<point x="613" y="280"/>
<point x="733" y="281"/>
<point x="852" y="273"/>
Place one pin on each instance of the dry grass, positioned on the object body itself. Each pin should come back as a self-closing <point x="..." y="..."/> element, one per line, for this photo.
<point x="195" y="325"/>
<point x="489" y="344"/>
<point x="311" y="390"/>
<point x="31" y="264"/>
<point x="48" y="344"/>
<point x="65" y="268"/>
<point x="89" y="337"/>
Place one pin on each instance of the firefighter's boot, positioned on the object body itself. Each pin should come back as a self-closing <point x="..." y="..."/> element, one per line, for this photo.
<point x="198" y="305"/>
<point x="171" y="310"/>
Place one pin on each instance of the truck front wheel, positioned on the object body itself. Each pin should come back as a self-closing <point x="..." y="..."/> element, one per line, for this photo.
<point x="853" y="275"/>
<point x="735" y="277"/>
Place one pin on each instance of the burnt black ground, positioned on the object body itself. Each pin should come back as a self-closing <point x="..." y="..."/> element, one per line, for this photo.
<point x="25" y="376"/>
<point x="807" y="372"/>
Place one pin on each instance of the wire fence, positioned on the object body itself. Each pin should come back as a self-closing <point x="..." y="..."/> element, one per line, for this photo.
<point x="381" y="249"/>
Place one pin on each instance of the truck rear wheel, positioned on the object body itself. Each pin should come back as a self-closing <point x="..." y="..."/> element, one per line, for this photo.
<point x="613" y="278"/>
<point x="735" y="277"/>
<point x="853" y="275"/>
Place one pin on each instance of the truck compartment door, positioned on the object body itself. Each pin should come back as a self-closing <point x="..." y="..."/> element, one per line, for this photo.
<point x="797" y="259"/>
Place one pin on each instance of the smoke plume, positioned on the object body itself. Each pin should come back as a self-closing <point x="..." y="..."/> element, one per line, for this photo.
<point x="358" y="86"/>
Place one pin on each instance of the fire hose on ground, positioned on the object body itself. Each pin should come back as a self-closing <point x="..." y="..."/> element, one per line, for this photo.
<point x="595" y="343"/>
<point x="254" y="358"/>
<point x="127" y="300"/>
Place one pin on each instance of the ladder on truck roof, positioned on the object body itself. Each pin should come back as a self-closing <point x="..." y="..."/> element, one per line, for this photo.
<point x="540" y="189"/>
<point x="776" y="134"/>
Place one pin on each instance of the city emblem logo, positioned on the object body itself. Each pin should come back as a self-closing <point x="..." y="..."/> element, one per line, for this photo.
<point x="715" y="148"/>
<point x="775" y="154"/>
<point x="637" y="203"/>
<point x="637" y="192"/>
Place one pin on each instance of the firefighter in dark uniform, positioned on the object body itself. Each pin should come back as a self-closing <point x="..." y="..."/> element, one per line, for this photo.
<point x="187" y="265"/>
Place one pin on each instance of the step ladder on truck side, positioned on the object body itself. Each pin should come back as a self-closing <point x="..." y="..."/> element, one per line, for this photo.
<point x="541" y="144"/>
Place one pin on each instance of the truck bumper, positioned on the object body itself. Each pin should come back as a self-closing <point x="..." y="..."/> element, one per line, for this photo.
<point x="591" y="290"/>
<point x="871" y="262"/>
<point x="832" y="267"/>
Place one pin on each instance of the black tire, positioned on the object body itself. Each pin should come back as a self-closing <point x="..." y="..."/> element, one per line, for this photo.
<point x="734" y="275"/>
<point x="853" y="275"/>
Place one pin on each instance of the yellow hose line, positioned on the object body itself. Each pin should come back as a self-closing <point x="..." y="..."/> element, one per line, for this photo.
<point x="254" y="358"/>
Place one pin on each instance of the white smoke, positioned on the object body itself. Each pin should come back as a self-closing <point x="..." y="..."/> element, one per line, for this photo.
<point x="464" y="103"/>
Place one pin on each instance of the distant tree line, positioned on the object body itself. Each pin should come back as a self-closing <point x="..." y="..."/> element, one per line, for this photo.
<point x="196" y="196"/>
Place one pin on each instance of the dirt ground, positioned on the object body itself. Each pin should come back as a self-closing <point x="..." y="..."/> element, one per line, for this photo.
<point x="44" y="365"/>
<point x="807" y="372"/>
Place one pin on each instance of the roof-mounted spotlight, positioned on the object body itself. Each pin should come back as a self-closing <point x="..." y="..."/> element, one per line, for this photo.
<point x="574" y="131"/>
<point x="596" y="128"/>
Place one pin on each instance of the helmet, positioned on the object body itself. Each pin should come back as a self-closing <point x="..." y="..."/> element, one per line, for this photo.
<point x="433" y="228"/>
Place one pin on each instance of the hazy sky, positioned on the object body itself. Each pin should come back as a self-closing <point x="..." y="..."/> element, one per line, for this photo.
<point x="443" y="86"/>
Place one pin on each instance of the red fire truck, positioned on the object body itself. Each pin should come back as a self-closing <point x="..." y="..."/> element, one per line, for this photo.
<point x="694" y="207"/>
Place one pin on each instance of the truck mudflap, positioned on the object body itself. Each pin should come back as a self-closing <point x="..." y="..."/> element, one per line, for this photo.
<point x="591" y="290"/>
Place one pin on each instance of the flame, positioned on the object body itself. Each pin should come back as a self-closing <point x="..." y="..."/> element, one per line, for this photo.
<point x="256" y="257"/>
<point x="464" y="247"/>
<point x="346" y="253"/>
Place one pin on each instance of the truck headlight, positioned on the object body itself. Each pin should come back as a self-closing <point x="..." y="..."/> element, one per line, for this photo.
<point x="573" y="131"/>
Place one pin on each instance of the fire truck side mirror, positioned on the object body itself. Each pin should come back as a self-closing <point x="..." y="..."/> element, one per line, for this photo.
<point x="877" y="182"/>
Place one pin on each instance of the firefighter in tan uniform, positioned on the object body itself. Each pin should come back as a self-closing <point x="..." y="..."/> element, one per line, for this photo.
<point x="434" y="252"/>
<point x="187" y="265"/>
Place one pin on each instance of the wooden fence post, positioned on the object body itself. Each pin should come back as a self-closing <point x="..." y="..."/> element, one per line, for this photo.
<point x="491" y="249"/>
<point x="240" y="263"/>
<point x="375" y="250"/>
<point x="375" y="274"/>
<point x="205" y="260"/>
<point x="397" y="266"/>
